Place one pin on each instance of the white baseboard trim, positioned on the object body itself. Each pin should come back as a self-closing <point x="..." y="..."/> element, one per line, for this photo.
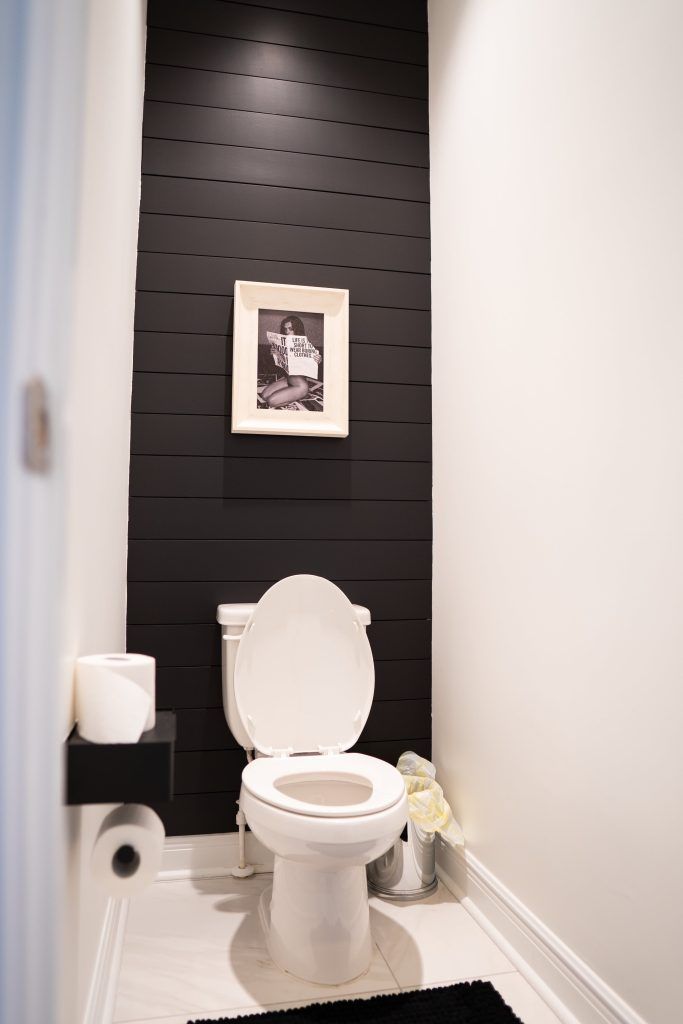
<point x="102" y="994"/>
<point x="210" y="855"/>
<point x="572" y="990"/>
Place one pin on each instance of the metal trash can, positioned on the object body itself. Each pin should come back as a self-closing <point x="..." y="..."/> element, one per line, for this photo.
<point x="407" y="871"/>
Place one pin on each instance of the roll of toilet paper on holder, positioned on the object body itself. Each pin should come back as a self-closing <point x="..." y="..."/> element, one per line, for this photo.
<point x="126" y="855"/>
<point x="115" y="699"/>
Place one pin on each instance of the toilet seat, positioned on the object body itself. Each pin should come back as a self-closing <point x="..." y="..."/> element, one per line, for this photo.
<point x="304" y="785"/>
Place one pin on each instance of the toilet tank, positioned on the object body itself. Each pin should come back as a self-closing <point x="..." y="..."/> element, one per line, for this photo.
<point x="232" y="618"/>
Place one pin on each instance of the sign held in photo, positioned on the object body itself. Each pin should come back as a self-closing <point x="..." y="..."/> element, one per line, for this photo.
<point x="294" y="354"/>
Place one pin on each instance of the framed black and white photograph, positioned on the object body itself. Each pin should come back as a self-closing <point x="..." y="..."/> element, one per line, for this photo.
<point x="290" y="360"/>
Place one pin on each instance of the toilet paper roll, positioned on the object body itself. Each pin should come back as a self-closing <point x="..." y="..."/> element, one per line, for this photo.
<point x="126" y="855"/>
<point x="121" y="703"/>
<point x="110" y="708"/>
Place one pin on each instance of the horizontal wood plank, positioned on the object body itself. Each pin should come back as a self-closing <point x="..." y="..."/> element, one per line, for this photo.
<point x="284" y="170"/>
<point x="199" y="686"/>
<point x="333" y="35"/>
<point x="294" y="99"/>
<point x="206" y="729"/>
<point x="205" y="236"/>
<point x="156" y="518"/>
<point x="289" y="63"/>
<point x="410" y="15"/>
<point x="206" y="560"/>
<point x="207" y="771"/>
<point x="159" y="434"/>
<point x="200" y="813"/>
<point x="232" y="200"/>
<point x="201" y="394"/>
<point x="211" y="314"/>
<point x="197" y="477"/>
<point x="193" y="686"/>
<point x="172" y="352"/>
<point x="185" y="122"/>
<point x="212" y="353"/>
<point x="183" y="687"/>
<point x="181" y="394"/>
<point x="391" y="750"/>
<point x="214" y="275"/>
<point x="196" y="601"/>
<point x="199" y="643"/>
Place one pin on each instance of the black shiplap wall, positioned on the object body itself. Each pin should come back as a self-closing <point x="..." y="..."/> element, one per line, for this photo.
<point x="284" y="141"/>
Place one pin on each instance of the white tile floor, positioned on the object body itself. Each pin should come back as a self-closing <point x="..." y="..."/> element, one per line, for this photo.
<point x="195" y="949"/>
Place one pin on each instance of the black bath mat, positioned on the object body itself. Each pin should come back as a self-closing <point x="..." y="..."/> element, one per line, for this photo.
<point x="470" y="1002"/>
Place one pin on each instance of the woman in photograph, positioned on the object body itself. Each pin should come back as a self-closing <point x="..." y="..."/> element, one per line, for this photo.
<point x="291" y="388"/>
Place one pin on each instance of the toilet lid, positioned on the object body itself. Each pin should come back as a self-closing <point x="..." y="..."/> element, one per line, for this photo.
<point x="304" y="674"/>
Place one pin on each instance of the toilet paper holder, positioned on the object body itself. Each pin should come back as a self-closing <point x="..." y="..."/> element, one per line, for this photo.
<point x="112" y="773"/>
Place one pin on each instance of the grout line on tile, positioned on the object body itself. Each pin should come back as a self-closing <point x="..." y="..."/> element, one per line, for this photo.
<point x="258" y="946"/>
<point x="456" y="981"/>
<point x="379" y="950"/>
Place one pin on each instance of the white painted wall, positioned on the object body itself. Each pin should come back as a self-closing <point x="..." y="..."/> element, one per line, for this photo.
<point x="557" y="213"/>
<point x="98" y="412"/>
<point x="41" y="87"/>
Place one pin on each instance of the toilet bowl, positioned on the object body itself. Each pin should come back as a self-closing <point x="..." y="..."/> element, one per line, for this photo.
<point x="325" y="818"/>
<point x="299" y="691"/>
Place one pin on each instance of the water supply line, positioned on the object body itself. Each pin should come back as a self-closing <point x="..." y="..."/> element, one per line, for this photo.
<point x="243" y="870"/>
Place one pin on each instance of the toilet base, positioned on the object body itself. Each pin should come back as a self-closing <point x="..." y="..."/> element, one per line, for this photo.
<point x="317" y="923"/>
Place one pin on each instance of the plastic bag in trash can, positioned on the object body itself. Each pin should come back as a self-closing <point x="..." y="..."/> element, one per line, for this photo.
<point x="427" y="806"/>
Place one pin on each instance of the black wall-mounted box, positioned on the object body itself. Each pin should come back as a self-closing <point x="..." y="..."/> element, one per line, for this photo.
<point x="112" y="773"/>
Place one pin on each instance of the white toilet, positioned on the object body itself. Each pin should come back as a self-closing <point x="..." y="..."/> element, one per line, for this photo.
<point x="298" y="680"/>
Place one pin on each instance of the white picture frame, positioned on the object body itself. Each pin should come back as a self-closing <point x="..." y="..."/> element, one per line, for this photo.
<point x="268" y="339"/>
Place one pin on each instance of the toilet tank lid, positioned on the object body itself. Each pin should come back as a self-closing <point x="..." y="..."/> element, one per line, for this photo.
<point x="238" y="614"/>
<point x="234" y="614"/>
